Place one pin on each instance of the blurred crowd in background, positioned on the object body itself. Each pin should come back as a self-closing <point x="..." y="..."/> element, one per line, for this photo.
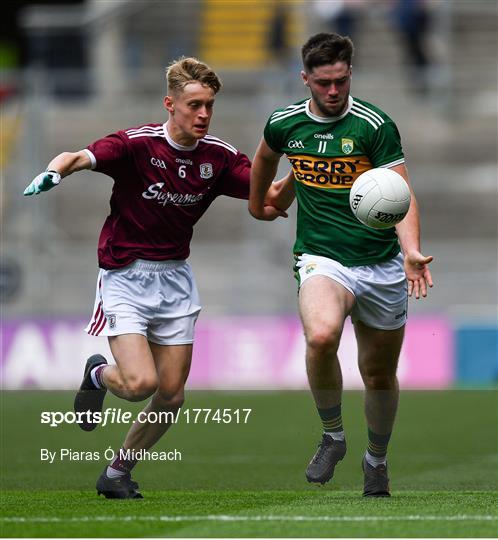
<point x="57" y="34"/>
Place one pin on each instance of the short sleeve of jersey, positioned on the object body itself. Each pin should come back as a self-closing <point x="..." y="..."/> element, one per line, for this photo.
<point x="235" y="180"/>
<point x="385" y="145"/>
<point x="110" y="153"/>
<point x="273" y="137"/>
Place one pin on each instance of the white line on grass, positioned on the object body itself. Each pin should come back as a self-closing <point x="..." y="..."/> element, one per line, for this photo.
<point x="228" y="518"/>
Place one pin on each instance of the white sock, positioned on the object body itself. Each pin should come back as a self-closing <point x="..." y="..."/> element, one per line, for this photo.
<point x="336" y="435"/>
<point x="375" y="461"/>
<point x="114" y="473"/>
<point x="94" y="378"/>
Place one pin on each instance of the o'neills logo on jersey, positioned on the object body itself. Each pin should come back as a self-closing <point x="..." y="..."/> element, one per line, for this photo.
<point x="166" y="197"/>
<point x="328" y="173"/>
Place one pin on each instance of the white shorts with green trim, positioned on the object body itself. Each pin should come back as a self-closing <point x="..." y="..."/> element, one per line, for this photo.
<point x="380" y="290"/>
<point x="158" y="300"/>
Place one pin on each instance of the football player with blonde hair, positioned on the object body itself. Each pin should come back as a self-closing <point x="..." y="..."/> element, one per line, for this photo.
<point x="165" y="175"/>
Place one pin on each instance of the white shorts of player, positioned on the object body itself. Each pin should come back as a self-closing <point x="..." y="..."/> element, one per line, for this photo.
<point x="158" y="300"/>
<point x="380" y="290"/>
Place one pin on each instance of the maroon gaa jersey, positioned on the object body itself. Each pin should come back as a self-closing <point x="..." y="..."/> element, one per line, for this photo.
<point x="160" y="191"/>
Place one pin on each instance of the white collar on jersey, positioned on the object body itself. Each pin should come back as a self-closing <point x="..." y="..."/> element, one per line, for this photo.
<point x="328" y="119"/>
<point x="174" y="144"/>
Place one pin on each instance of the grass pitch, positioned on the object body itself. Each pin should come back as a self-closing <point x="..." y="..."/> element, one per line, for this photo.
<point x="247" y="480"/>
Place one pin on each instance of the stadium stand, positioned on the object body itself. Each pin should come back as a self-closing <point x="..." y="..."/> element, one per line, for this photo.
<point x="449" y="134"/>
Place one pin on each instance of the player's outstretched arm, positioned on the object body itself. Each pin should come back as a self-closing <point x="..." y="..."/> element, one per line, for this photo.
<point x="263" y="171"/>
<point x="417" y="271"/>
<point x="62" y="165"/>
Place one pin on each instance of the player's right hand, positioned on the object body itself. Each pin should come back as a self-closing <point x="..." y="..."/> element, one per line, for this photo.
<point x="270" y="213"/>
<point x="43" y="182"/>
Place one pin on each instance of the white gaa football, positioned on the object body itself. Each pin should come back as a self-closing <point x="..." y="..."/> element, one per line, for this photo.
<point x="380" y="198"/>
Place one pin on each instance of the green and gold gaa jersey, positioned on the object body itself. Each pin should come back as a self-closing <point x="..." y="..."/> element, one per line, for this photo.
<point x="327" y="155"/>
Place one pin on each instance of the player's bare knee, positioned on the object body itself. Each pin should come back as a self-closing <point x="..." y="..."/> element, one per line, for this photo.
<point x="140" y="388"/>
<point x="379" y="380"/>
<point x="168" y="399"/>
<point x="323" y="340"/>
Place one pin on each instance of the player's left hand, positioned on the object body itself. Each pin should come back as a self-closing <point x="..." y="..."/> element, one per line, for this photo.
<point x="417" y="273"/>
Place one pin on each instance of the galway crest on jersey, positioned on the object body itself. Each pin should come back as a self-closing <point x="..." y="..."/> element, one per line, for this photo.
<point x="206" y="170"/>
